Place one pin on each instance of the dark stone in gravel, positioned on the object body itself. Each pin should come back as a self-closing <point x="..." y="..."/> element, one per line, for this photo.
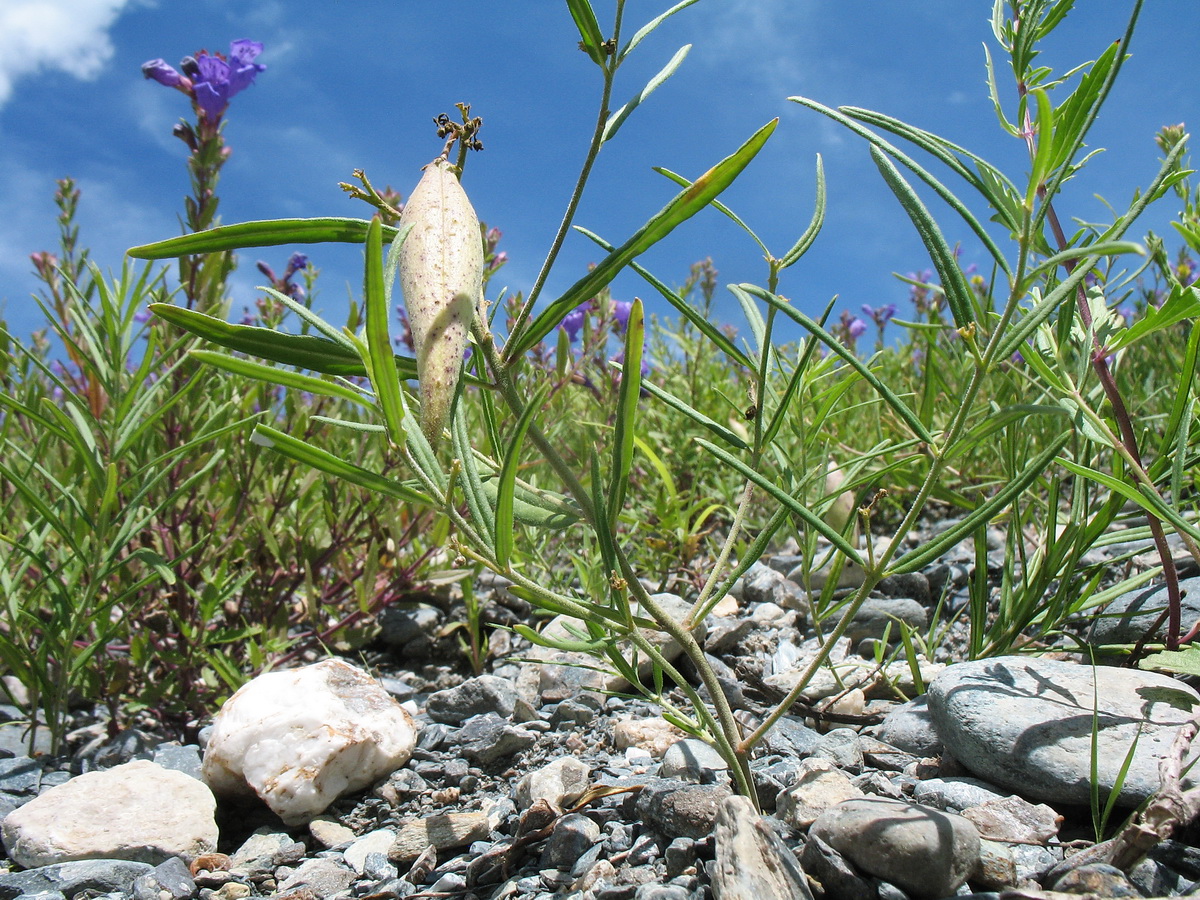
<point x="572" y="837"/>
<point x="185" y="759"/>
<point x="877" y="613"/>
<point x="791" y="737"/>
<point x="485" y="694"/>
<point x="94" y="875"/>
<point x="1127" y="618"/>
<point x="909" y="727"/>
<point x="1096" y="879"/>
<point x="487" y="738"/>
<point x="171" y="878"/>
<point x="910" y="584"/>
<point x="20" y="775"/>
<point x="835" y="875"/>
<point x="401" y="626"/>
<point x="676" y="809"/>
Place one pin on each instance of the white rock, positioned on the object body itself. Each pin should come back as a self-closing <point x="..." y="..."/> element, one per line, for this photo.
<point x="301" y="738"/>
<point x="652" y="735"/>
<point x="560" y="783"/>
<point x="138" y="811"/>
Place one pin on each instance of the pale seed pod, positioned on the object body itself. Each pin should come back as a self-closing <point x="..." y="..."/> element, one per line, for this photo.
<point x="441" y="276"/>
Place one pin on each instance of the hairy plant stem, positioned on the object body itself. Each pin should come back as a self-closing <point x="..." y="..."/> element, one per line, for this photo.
<point x="597" y="141"/>
<point x="727" y="734"/>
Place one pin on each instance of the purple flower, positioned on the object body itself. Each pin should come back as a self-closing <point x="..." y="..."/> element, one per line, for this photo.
<point x="162" y="73"/>
<point x="296" y="263"/>
<point x="572" y="323"/>
<point x="621" y="310"/>
<point x="856" y="327"/>
<point x="881" y="315"/>
<point x="220" y="79"/>
<point x="211" y="79"/>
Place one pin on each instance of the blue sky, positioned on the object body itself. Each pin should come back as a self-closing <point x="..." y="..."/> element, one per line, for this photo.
<point x="355" y="85"/>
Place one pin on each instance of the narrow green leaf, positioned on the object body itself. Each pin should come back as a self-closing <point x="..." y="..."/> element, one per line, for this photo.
<point x="617" y="119"/>
<point x="954" y="283"/>
<point x="508" y="477"/>
<point x="478" y="503"/>
<point x="685" y="205"/>
<point x="1045" y="147"/>
<point x="624" y="428"/>
<point x="324" y="461"/>
<point x="592" y="41"/>
<point x="696" y="416"/>
<point x="814" y="226"/>
<point x="1181" y="304"/>
<point x="285" y="377"/>
<point x="266" y="233"/>
<point x="1100" y="248"/>
<point x="853" y="361"/>
<point x="941" y="149"/>
<point x="922" y="556"/>
<point x="792" y="504"/>
<point x="645" y="31"/>
<point x="384" y="378"/>
<point x="685" y="309"/>
<point x="305" y="351"/>
<point x="718" y="206"/>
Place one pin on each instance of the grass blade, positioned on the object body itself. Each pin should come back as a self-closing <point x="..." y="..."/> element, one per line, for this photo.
<point x="624" y="428"/>
<point x="264" y="233"/>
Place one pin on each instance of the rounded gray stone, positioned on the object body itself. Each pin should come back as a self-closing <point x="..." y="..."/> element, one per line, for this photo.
<point x="1026" y="724"/>
<point x="909" y="727"/>
<point x="954" y="794"/>
<point x="926" y="852"/>
<point x="688" y="758"/>
<point x="1127" y="618"/>
<point x="476" y="696"/>
<point x="874" y="616"/>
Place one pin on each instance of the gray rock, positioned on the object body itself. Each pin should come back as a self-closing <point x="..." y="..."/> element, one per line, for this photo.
<point x="20" y="775"/>
<point x="840" y="747"/>
<point x="323" y="877"/>
<point x="677" y="809"/>
<point x="398" y="627"/>
<point x="98" y="875"/>
<point x="955" y="794"/>
<point x="560" y="783"/>
<point x="909" y="727"/>
<point x="834" y="873"/>
<point x="487" y="738"/>
<point x="263" y="851"/>
<point x="687" y="760"/>
<point x="476" y="696"/>
<point x="183" y="758"/>
<point x="752" y="862"/>
<point x="1096" y="879"/>
<point x="873" y="618"/>
<point x="791" y="737"/>
<point x="679" y="855"/>
<point x="910" y="584"/>
<point x="1033" y="861"/>
<point x="1127" y="618"/>
<point x="925" y="852"/>
<point x="573" y="836"/>
<point x="170" y="880"/>
<point x="661" y="892"/>
<point x="1015" y="820"/>
<point x="1026" y="724"/>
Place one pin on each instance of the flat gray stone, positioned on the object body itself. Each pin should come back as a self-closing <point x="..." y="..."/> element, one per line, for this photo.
<point x="476" y="696"/>
<point x="874" y="616"/>
<point x="925" y="852"/>
<point x="1026" y="724"/>
<point x="752" y="861"/>
<point x="910" y="728"/>
<point x="94" y="875"/>
<point x="1127" y="618"/>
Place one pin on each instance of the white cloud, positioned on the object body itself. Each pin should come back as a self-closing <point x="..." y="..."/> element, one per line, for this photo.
<point x="65" y="35"/>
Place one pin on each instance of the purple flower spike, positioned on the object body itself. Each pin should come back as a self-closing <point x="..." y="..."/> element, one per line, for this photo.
<point x="162" y="73"/>
<point x="219" y="81"/>
<point x="856" y="327"/>
<point x="621" y="310"/>
<point x="296" y="262"/>
<point x="572" y="323"/>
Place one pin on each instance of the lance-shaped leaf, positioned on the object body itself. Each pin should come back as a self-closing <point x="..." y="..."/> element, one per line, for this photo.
<point x="286" y="377"/>
<point x="384" y="378"/>
<point x="305" y="351"/>
<point x="922" y="556"/>
<point x="508" y="478"/>
<point x="589" y="29"/>
<point x="646" y="30"/>
<point x="954" y="283"/>
<point x="624" y="428"/>
<point x="264" y="233"/>
<point x="685" y="205"/>
<point x="618" y="118"/>
<point x="324" y="461"/>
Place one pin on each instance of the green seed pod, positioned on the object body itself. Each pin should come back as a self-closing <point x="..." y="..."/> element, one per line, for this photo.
<point x="441" y="276"/>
